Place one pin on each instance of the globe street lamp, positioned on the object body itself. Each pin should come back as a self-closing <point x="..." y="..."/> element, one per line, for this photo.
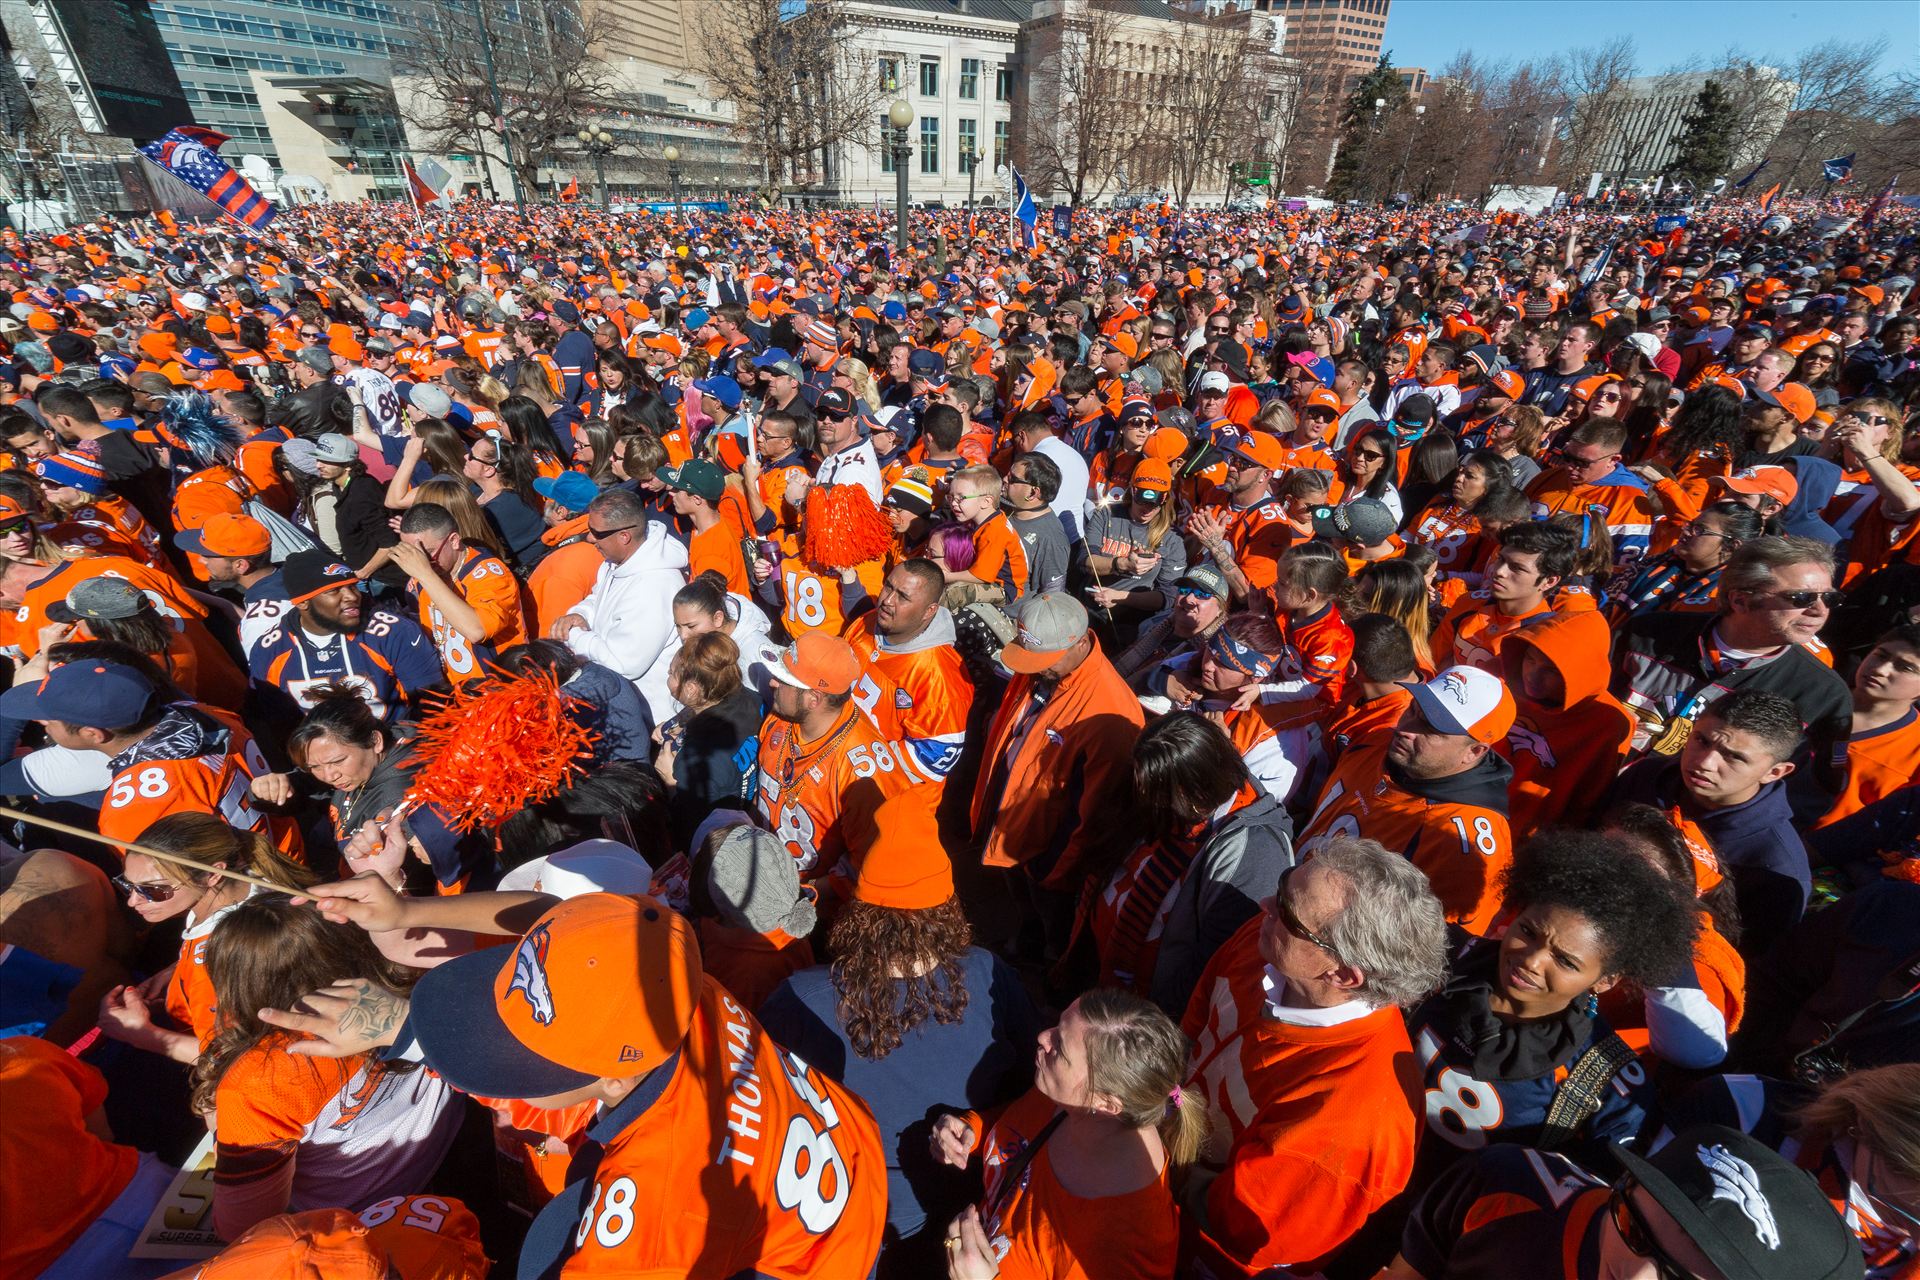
<point x="599" y="144"/>
<point x="901" y="115"/>
<point x="672" y="157"/>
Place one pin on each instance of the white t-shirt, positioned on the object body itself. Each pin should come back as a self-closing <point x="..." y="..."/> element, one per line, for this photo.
<point x="1071" y="501"/>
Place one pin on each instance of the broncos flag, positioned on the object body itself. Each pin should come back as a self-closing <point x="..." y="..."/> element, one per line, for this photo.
<point x="187" y="152"/>
<point x="1026" y="214"/>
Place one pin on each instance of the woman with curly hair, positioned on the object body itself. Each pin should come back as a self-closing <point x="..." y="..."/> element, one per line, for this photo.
<point x="296" y="1132"/>
<point x="909" y="1015"/>
<point x="1521" y="1012"/>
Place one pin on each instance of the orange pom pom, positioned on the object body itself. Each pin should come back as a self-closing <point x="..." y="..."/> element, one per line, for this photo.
<point x="842" y="528"/>
<point x="487" y="756"/>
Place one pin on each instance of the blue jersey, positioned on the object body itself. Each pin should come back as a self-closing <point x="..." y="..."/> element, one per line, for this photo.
<point x="390" y="662"/>
<point x="1508" y="1212"/>
<point x="1471" y="1107"/>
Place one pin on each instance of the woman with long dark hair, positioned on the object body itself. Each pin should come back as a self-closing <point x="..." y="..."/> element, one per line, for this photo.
<point x="1682" y="462"/>
<point x="910" y="1015"/>
<point x="294" y="1132"/>
<point x="1204" y="845"/>
<point x="527" y="425"/>
<point x="503" y="472"/>
<point x="1448" y="523"/>
<point x="1686" y="576"/>
<point x="1366" y="468"/>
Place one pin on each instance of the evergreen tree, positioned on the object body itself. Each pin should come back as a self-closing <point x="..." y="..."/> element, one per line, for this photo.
<point x="1704" y="149"/>
<point x="1359" y="125"/>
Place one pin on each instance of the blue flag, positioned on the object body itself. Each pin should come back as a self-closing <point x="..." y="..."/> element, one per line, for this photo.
<point x="1025" y="211"/>
<point x="1742" y="184"/>
<point x="187" y="152"/>
<point x="1838" y="169"/>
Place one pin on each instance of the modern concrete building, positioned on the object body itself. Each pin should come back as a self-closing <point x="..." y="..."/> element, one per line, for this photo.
<point x="1639" y="124"/>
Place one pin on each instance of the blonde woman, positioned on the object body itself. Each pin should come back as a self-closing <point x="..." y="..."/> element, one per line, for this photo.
<point x="1077" y="1170"/>
<point x="853" y="376"/>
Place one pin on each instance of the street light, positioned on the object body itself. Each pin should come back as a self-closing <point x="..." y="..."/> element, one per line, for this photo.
<point x="972" y="160"/>
<point x="672" y="157"/>
<point x="1406" y="152"/>
<point x="482" y="120"/>
<point x="901" y="115"/>
<point x="599" y="144"/>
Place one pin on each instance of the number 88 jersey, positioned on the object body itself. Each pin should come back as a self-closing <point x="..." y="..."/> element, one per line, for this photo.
<point x="746" y="1161"/>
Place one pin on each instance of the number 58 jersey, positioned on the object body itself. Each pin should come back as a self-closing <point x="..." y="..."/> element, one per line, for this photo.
<point x="745" y="1161"/>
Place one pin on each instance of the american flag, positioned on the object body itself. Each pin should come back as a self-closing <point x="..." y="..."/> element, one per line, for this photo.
<point x="187" y="152"/>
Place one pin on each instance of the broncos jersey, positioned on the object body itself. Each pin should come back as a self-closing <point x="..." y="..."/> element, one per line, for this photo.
<point x="487" y="585"/>
<point x="917" y="697"/>
<point x="814" y="794"/>
<point x="1509" y="1211"/>
<point x="196" y="759"/>
<point x="741" y="1159"/>
<point x="389" y="662"/>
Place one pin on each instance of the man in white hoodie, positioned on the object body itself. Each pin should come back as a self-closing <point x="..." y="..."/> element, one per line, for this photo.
<point x="626" y="621"/>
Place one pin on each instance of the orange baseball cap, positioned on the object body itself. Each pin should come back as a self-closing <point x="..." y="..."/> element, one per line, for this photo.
<point x="665" y="342"/>
<point x="11" y="510"/>
<point x="602" y="986"/>
<point x="907" y="868"/>
<point x="347" y="348"/>
<point x="1321" y="398"/>
<point x="1791" y="396"/>
<point x="1167" y="443"/>
<point x="818" y="661"/>
<point x="1152" y="478"/>
<point x="334" y="1244"/>
<point x="1261" y="449"/>
<point x="1777" y="483"/>
<point x="226" y="534"/>
<point x="1508" y="383"/>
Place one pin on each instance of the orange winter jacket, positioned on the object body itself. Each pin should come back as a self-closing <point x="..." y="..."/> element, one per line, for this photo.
<point x="1056" y="770"/>
<point x="1564" y="751"/>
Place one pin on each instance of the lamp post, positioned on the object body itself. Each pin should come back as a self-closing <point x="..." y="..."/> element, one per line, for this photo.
<point x="1406" y="152"/>
<point x="481" y="120"/>
<point x="972" y="161"/>
<point x="672" y="157"/>
<point x="599" y="144"/>
<point x="900" y="114"/>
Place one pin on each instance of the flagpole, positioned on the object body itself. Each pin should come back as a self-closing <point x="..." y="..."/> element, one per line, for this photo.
<point x="413" y="195"/>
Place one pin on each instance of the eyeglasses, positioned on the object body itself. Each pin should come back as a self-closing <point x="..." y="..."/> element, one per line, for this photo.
<point x="1575" y="460"/>
<point x="601" y="535"/>
<point x="1284" y="909"/>
<point x="485" y="462"/>
<point x="1806" y="599"/>
<point x="1368" y="455"/>
<point x="1162" y="337"/>
<point x="155" y="891"/>
<point x="1638" y="1237"/>
<point x="1701" y="531"/>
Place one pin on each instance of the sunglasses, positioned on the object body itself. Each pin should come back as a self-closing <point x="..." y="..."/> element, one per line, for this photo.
<point x="1701" y="531"/>
<point x="1368" y="455"/>
<point x="601" y="535"/>
<point x="1806" y="599"/>
<point x="1284" y="909"/>
<point x="1152" y="497"/>
<point x="1638" y="1237"/>
<point x="155" y="891"/>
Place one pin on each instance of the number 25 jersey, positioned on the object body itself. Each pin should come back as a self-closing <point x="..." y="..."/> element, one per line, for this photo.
<point x="744" y="1161"/>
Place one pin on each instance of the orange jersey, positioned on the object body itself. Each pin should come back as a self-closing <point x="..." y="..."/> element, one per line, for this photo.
<point x="169" y="598"/>
<point x="1879" y="762"/>
<point x="196" y="760"/>
<point x="120" y="516"/>
<point x="1456" y="832"/>
<point x="998" y="556"/>
<point x="1314" y="1126"/>
<point x="1470" y="635"/>
<point x="812" y="794"/>
<point x="783" y="1170"/>
<point x="485" y="583"/>
<point x="354" y="1129"/>
<point x="717" y="547"/>
<point x="190" y="991"/>
<point x="1258" y="535"/>
<point x="812" y="597"/>
<point x="1043" y="1231"/>
<point x="1450" y="531"/>
<point x="918" y="697"/>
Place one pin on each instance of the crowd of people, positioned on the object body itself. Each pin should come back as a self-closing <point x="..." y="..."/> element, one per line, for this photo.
<point x="1343" y="744"/>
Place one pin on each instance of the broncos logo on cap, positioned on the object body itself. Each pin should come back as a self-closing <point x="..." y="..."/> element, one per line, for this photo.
<point x="1735" y="1180"/>
<point x="530" y="975"/>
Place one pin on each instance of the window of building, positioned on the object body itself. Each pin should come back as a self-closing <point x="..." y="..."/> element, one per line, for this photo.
<point x="889" y="75"/>
<point x="999" y="144"/>
<point x="1002" y="84"/>
<point x="929" y="77"/>
<point x="886" y="144"/>
<point x="968" y="132"/>
<point x="969" y="77"/>
<point x="929" y="144"/>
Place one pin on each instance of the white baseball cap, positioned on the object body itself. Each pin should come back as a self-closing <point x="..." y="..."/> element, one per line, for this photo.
<point x="592" y="866"/>
<point x="1466" y="701"/>
<point x="1215" y="381"/>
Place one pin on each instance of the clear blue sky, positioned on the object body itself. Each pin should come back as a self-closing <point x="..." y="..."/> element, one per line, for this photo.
<point x="1428" y="33"/>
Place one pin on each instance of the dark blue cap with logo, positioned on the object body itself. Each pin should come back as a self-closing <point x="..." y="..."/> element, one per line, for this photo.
<point x="93" y="695"/>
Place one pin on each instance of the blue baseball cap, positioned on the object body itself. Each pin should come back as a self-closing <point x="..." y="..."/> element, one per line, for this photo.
<point x="723" y="389"/>
<point x="93" y="695"/>
<point x="893" y="311"/>
<point x="925" y="364"/>
<point x="696" y="319"/>
<point x="569" y="489"/>
<point x="771" y="357"/>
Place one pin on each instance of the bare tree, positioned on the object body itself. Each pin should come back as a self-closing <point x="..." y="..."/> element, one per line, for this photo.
<point x="1837" y="94"/>
<point x="1596" y="79"/>
<point x="1083" y="118"/>
<point x="802" y="87"/>
<point x="526" y="66"/>
<point x="1522" y="108"/>
<point x="1210" y="105"/>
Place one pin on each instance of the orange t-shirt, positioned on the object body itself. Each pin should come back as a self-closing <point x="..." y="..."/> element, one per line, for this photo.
<point x="56" y="1175"/>
<point x="999" y="557"/>
<point x="190" y="991"/>
<point x="717" y="547"/>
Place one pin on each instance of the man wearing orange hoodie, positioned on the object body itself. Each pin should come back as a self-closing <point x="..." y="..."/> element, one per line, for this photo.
<point x="565" y="575"/>
<point x="1568" y="729"/>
